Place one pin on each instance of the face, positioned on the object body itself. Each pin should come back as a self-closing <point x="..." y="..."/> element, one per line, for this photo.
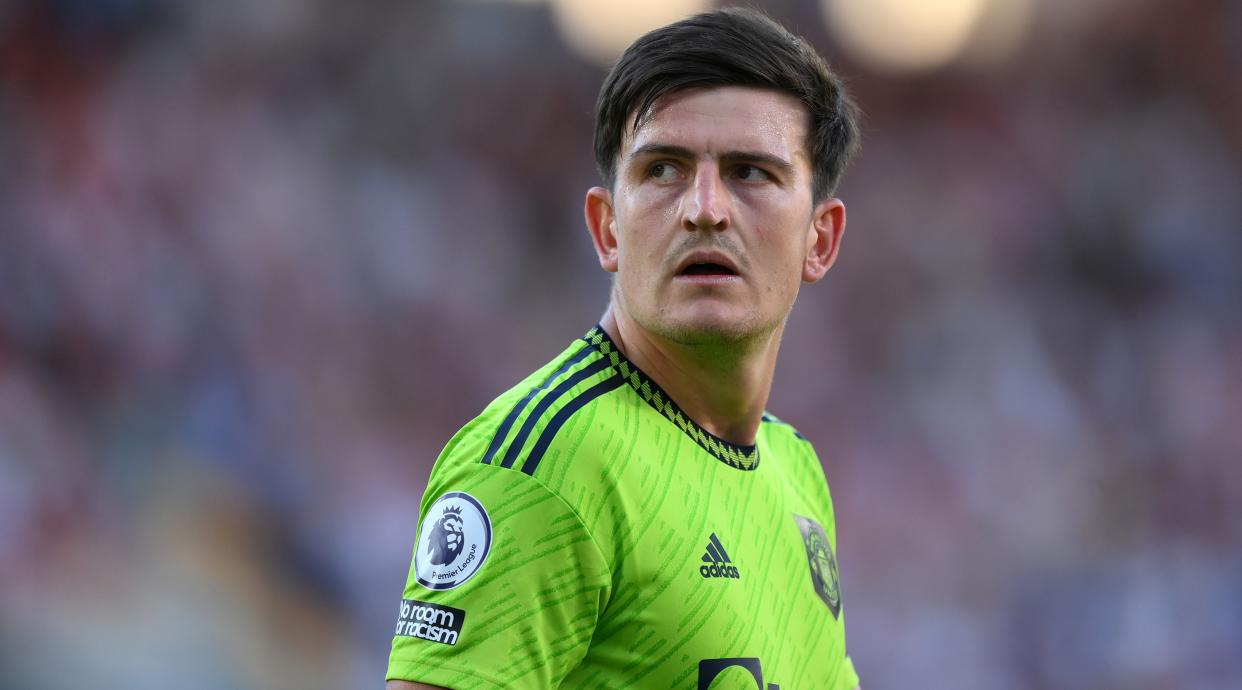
<point x="711" y="227"/>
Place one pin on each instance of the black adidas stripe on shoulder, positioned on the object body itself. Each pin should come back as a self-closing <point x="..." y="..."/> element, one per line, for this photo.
<point x="562" y="415"/>
<point x="503" y="431"/>
<point x="544" y="403"/>
<point x="595" y="364"/>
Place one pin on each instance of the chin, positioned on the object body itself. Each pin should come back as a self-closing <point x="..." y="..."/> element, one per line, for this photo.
<point x="710" y="327"/>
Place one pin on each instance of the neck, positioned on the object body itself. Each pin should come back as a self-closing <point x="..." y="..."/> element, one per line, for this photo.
<point x="723" y="388"/>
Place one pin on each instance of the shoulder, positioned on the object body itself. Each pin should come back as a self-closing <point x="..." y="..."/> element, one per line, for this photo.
<point x="511" y="461"/>
<point x="565" y="403"/>
<point x="798" y="458"/>
<point x="783" y="436"/>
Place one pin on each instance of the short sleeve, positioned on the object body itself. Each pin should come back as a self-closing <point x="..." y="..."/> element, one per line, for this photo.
<point x="505" y="585"/>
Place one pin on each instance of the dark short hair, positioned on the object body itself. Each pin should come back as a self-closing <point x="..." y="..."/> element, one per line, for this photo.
<point x="728" y="47"/>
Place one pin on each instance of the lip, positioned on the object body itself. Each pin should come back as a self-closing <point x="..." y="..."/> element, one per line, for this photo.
<point x="707" y="257"/>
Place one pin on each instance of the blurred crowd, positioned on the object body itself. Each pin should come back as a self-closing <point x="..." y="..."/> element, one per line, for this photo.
<point x="259" y="260"/>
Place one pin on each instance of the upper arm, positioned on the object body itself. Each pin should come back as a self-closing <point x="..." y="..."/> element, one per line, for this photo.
<point x="537" y="581"/>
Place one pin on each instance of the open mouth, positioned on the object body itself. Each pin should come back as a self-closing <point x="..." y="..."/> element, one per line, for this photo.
<point x="707" y="269"/>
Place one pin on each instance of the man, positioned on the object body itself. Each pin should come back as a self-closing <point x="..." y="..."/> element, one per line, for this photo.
<point x="629" y="516"/>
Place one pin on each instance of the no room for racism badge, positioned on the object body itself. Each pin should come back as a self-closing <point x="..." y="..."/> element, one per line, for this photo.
<point x="453" y="541"/>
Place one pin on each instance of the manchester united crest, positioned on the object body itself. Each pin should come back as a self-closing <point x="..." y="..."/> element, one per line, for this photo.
<point x="823" y="563"/>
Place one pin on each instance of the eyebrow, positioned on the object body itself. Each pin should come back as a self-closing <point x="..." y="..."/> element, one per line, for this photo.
<point x="727" y="157"/>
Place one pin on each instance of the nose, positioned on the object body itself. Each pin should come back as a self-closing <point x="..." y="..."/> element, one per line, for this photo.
<point x="706" y="206"/>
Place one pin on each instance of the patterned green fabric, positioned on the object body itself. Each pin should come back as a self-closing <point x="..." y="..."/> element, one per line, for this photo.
<point x="744" y="457"/>
<point x="608" y="541"/>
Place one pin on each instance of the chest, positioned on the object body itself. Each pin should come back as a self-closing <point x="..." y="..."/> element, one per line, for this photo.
<point x="717" y="565"/>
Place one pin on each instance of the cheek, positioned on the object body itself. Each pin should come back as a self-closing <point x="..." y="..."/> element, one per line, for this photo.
<point x="782" y="259"/>
<point x="648" y="207"/>
<point x="781" y="246"/>
<point x="645" y="226"/>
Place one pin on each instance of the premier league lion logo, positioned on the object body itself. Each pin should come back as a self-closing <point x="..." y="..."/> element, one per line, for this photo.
<point x="446" y="537"/>
<point x="453" y="541"/>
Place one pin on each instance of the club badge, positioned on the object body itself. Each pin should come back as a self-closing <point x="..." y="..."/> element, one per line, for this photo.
<point x="823" y="563"/>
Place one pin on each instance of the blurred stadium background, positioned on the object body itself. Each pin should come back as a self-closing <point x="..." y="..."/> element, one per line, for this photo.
<point x="259" y="259"/>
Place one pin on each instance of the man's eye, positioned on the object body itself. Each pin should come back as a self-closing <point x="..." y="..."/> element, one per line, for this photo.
<point x="750" y="173"/>
<point x="663" y="172"/>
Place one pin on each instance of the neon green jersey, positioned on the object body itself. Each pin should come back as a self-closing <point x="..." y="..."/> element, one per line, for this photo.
<point x="583" y="532"/>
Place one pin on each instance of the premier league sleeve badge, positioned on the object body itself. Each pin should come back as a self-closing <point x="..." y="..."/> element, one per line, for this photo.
<point x="453" y="542"/>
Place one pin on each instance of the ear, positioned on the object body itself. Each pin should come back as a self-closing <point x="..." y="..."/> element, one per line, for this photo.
<point x="823" y="239"/>
<point x="602" y="224"/>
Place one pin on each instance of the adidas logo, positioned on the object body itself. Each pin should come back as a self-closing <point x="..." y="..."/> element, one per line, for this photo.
<point x="716" y="562"/>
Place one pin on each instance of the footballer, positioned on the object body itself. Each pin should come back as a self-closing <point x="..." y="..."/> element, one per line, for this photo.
<point x="629" y="515"/>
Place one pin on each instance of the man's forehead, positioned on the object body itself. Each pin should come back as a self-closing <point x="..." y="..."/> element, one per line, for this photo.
<point x="712" y="120"/>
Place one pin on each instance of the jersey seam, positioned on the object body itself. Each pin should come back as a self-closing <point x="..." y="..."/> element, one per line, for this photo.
<point x="572" y="509"/>
<point x="590" y="536"/>
<point x="581" y="521"/>
<point x="552" y="409"/>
